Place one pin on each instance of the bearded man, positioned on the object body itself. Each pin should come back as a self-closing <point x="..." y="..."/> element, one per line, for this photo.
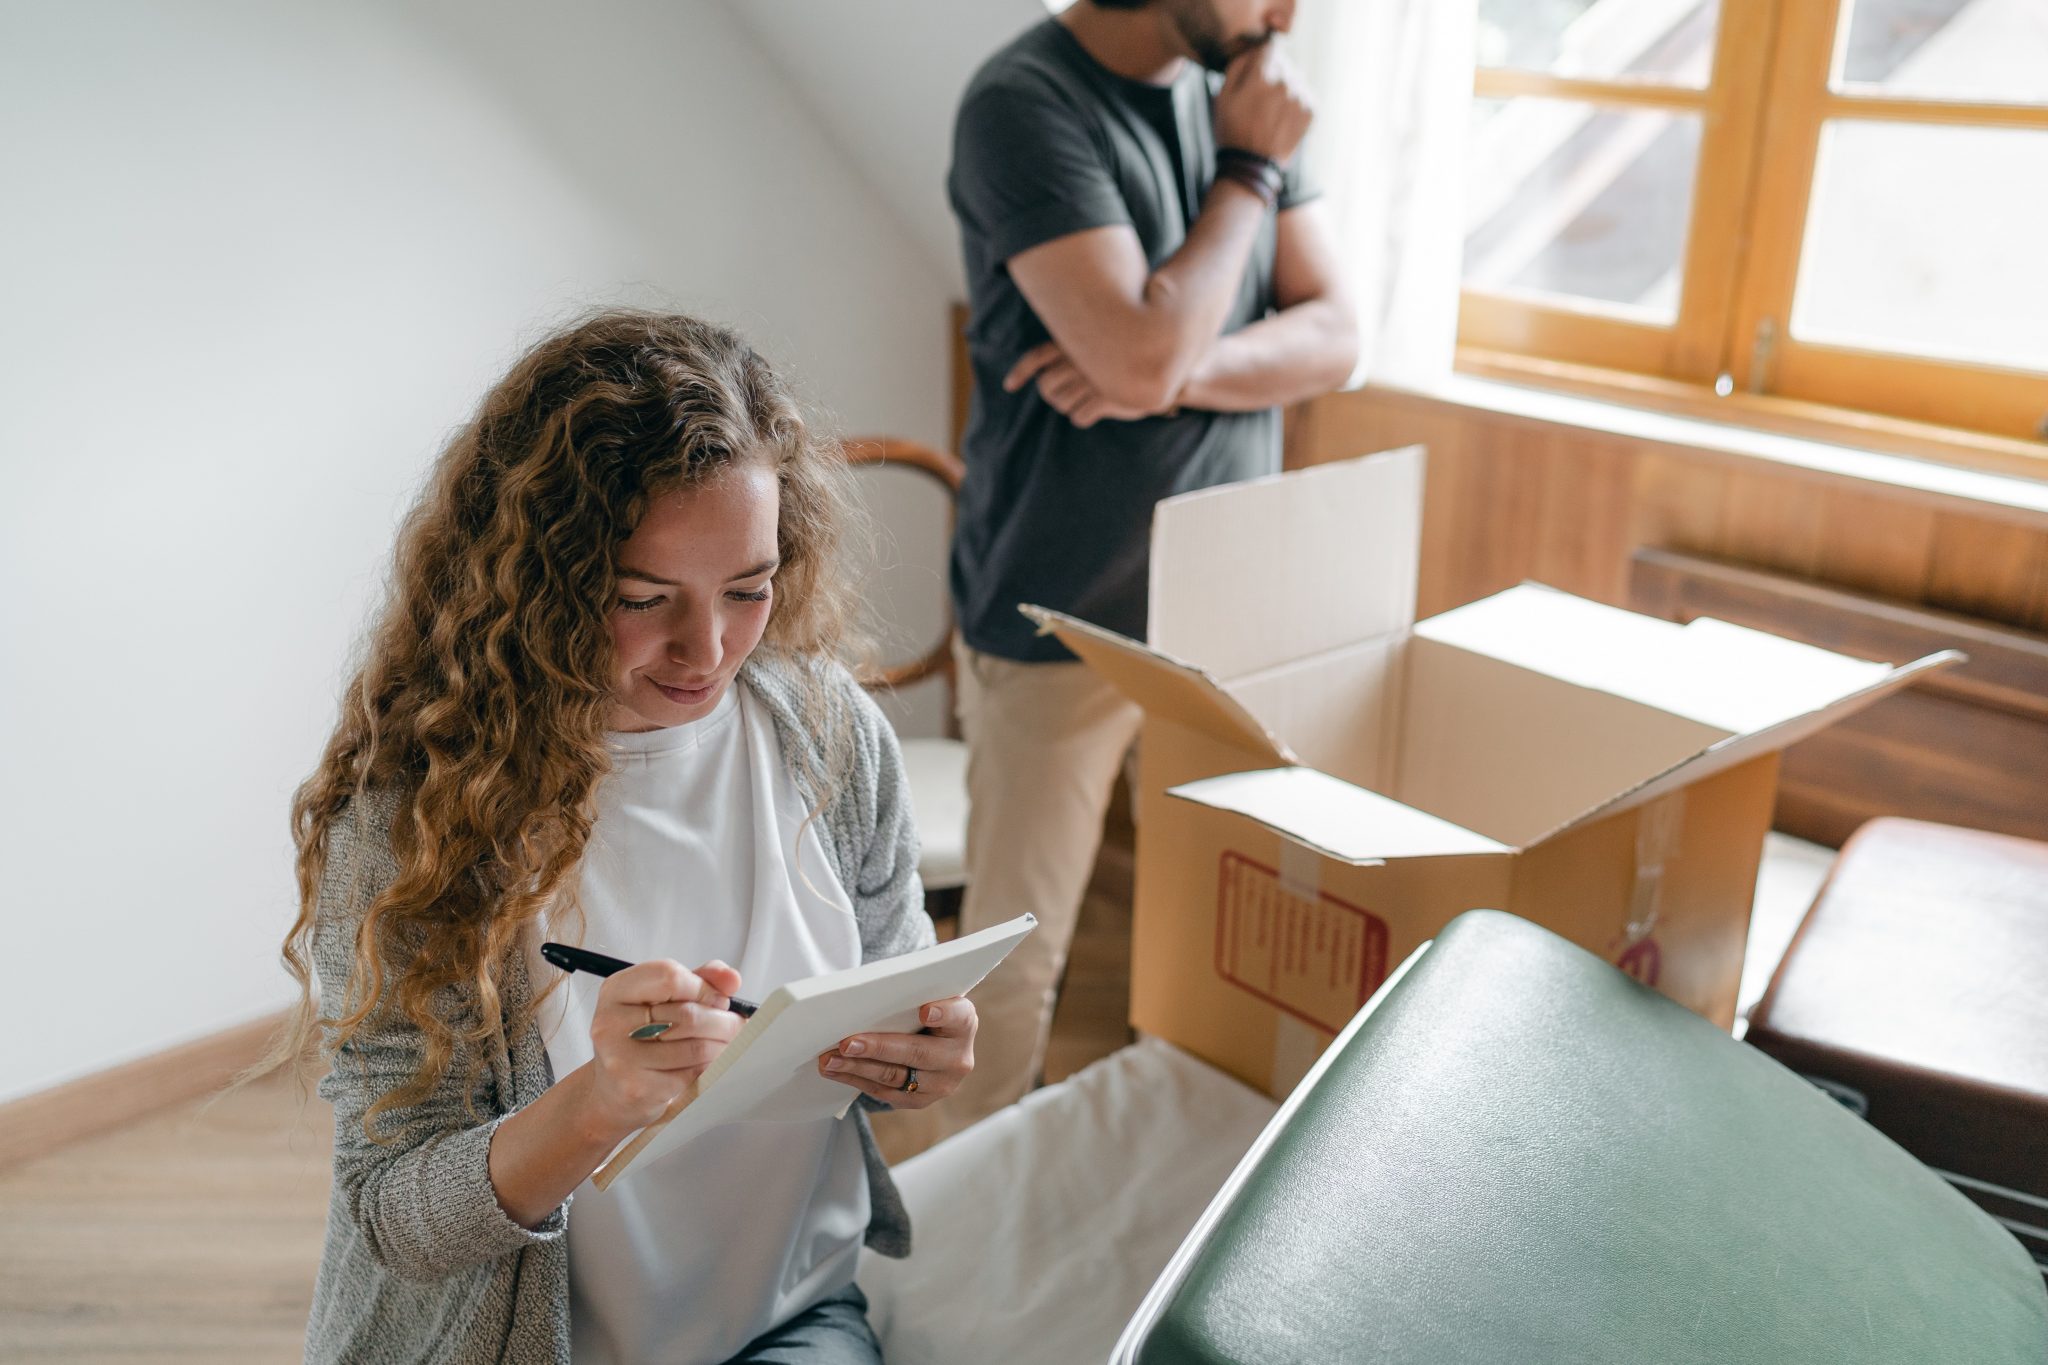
<point x="1149" y="284"/>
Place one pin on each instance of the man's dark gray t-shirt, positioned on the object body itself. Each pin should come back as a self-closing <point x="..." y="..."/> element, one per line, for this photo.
<point x="1049" y="142"/>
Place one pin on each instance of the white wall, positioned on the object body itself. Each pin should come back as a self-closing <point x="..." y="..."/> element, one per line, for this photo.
<point x="260" y="259"/>
<point x="886" y="77"/>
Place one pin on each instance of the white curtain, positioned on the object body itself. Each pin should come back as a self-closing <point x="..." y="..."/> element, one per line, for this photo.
<point x="1392" y="81"/>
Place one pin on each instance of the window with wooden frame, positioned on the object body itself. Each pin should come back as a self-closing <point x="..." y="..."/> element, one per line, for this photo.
<point x="1838" y="202"/>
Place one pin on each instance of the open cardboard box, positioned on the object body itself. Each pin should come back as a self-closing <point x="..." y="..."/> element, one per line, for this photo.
<point x="1324" y="782"/>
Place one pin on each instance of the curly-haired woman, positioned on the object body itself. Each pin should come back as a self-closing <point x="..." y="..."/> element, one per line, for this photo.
<point x="602" y="702"/>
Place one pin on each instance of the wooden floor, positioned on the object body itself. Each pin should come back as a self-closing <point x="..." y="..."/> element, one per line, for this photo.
<point x="194" y="1236"/>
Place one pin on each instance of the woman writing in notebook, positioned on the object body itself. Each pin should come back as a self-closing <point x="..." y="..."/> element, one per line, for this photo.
<point x="602" y="704"/>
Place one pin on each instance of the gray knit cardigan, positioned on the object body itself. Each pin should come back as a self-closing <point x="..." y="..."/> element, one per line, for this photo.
<point x="421" y="1264"/>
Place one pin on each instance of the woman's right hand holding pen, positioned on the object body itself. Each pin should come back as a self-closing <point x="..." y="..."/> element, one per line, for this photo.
<point x="544" y="1150"/>
<point x="636" y="1078"/>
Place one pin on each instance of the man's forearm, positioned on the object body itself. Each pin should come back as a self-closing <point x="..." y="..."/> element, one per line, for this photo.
<point x="1187" y="300"/>
<point x="1304" y="351"/>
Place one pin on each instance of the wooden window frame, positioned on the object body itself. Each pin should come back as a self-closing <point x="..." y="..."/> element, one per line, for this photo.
<point x="1770" y="95"/>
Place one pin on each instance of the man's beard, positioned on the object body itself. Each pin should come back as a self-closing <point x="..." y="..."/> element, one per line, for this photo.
<point x="1203" y="33"/>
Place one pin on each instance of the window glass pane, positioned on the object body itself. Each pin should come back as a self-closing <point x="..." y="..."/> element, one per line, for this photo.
<point x="1926" y="239"/>
<point x="1949" y="49"/>
<point x="1660" y="40"/>
<point x="1567" y="198"/>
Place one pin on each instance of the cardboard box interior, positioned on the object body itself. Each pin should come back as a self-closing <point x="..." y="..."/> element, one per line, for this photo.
<point x="1604" y="773"/>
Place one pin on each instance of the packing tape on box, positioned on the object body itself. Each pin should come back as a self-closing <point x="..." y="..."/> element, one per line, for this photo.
<point x="1301" y="871"/>
<point x="1657" y="829"/>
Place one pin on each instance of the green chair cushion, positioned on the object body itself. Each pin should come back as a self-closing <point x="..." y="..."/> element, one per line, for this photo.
<point x="1521" y="1154"/>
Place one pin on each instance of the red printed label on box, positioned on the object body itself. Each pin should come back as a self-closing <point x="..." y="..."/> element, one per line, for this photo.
<point x="1318" y="958"/>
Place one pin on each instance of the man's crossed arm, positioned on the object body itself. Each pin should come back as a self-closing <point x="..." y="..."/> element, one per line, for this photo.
<point x="1128" y="342"/>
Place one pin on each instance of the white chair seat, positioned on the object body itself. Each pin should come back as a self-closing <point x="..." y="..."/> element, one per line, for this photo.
<point x="938" y="800"/>
<point x="1040" y="1228"/>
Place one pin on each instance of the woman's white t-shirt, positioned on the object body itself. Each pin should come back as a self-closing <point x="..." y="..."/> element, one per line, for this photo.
<point x="693" y="857"/>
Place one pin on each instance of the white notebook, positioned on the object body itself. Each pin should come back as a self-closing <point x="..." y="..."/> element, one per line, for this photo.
<point x="769" y="1072"/>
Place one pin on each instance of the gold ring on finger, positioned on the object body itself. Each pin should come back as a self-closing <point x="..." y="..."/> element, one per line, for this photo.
<point x="653" y="1028"/>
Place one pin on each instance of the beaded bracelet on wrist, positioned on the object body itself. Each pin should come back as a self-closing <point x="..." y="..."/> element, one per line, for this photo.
<point x="1267" y="190"/>
<point x="1256" y="172"/>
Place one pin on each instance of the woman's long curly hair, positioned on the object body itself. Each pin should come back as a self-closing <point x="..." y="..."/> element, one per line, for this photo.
<point x="482" y="700"/>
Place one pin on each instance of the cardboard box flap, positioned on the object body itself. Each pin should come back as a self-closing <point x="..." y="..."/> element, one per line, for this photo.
<point x="1741" y="748"/>
<point x="1512" y="752"/>
<point x="1249" y="576"/>
<point x="1166" y="687"/>
<point x="1334" y="818"/>
<point x="1735" y="679"/>
<point x="1340" y="712"/>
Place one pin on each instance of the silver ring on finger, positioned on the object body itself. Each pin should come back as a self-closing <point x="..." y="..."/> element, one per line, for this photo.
<point x="910" y="1080"/>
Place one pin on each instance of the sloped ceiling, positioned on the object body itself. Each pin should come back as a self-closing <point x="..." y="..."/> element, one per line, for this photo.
<point x="883" y="77"/>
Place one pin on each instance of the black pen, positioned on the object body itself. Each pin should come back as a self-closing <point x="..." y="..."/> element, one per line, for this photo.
<point x="597" y="964"/>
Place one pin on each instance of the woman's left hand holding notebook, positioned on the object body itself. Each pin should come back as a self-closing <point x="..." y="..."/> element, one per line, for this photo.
<point x="910" y="1070"/>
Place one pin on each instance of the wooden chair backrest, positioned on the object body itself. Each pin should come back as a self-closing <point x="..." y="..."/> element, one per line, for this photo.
<point x="947" y="471"/>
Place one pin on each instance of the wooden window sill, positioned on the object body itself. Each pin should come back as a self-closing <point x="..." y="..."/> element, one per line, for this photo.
<point x="1987" y="473"/>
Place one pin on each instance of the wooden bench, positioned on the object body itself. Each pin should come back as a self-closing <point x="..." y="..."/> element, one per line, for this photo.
<point x="1916" y="991"/>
